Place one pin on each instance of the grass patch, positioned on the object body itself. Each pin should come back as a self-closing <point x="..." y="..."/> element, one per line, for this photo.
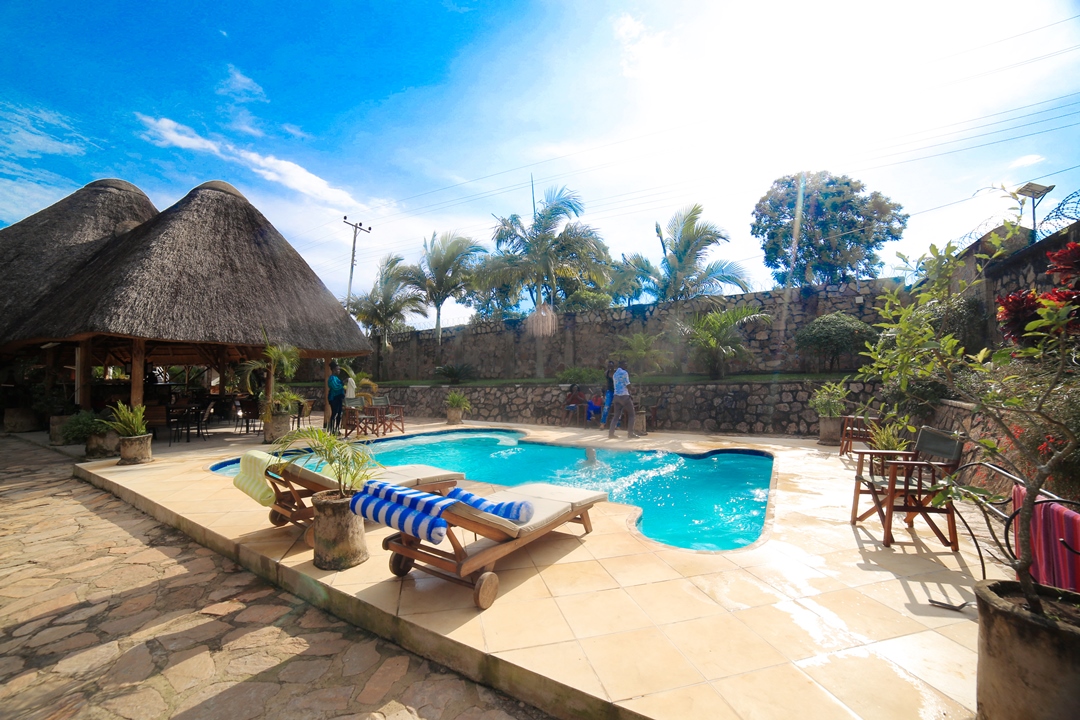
<point x="637" y="380"/>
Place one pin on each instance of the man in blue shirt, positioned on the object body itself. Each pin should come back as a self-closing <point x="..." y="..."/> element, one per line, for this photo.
<point x="622" y="403"/>
<point x="336" y="397"/>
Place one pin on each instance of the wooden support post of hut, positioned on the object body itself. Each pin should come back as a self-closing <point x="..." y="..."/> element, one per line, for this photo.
<point x="326" y="392"/>
<point x="138" y="370"/>
<point x="84" y="361"/>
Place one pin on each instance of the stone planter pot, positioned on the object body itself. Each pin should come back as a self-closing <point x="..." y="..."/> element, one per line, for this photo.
<point x="453" y="416"/>
<point x="338" y="534"/>
<point x="135" y="450"/>
<point x="100" y="446"/>
<point x="18" y="420"/>
<point x="1029" y="665"/>
<point x="279" y="425"/>
<point x="829" y="430"/>
<point x="56" y="427"/>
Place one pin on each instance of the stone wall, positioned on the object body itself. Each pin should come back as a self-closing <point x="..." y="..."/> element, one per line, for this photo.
<point x="505" y="350"/>
<point x="729" y="407"/>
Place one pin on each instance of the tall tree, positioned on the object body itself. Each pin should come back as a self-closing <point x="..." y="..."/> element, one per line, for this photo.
<point x="843" y="226"/>
<point x="442" y="273"/>
<point x="683" y="272"/>
<point x="387" y="304"/>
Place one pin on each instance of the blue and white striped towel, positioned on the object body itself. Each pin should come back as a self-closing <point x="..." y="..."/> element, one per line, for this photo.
<point x="519" y="511"/>
<point x="431" y="528"/>
<point x="413" y="499"/>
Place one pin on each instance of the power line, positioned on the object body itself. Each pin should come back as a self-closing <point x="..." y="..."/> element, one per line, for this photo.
<point x="1022" y="63"/>
<point x="1011" y="37"/>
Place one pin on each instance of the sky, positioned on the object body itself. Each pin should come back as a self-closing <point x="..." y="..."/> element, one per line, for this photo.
<point x="417" y="116"/>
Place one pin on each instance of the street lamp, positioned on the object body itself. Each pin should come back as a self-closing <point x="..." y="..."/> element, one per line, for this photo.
<point x="1036" y="192"/>
<point x="357" y="228"/>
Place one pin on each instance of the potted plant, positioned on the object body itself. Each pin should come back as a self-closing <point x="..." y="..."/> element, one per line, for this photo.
<point x="130" y="425"/>
<point x="338" y="534"/>
<point x="456" y="406"/>
<point x="1029" y="634"/>
<point x="828" y="401"/>
<point x="86" y="427"/>
<point x="278" y="403"/>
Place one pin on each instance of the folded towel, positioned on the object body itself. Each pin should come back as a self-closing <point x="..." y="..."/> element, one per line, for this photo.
<point x="520" y="511"/>
<point x="251" y="480"/>
<point x="392" y="514"/>
<point x="419" y="500"/>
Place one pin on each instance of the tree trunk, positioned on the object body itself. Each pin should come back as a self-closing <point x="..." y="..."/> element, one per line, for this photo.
<point x="438" y="335"/>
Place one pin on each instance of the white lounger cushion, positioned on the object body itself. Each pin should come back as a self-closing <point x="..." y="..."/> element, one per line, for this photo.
<point x="416" y="474"/>
<point x="547" y="508"/>
<point x="577" y="497"/>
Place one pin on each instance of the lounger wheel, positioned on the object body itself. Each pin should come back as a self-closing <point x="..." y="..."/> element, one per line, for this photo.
<point x="400" y="565"/>
<point x="485" y="590"/>
<point x="277" y="519"/>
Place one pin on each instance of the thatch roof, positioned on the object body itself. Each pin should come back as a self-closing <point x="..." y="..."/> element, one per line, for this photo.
<point x="41" y="252"/>
<point x="210" y="269"/>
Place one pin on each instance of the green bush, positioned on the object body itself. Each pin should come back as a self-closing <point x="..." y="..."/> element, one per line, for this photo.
<point x="128" y="421"/>
<point x="455" y="374"/>
<point x="829" y="399"/>
<point x="580" y="375"/>
<point x="81" y="426"/>
<point x="830" y="336"/>
<point x="457" y="400"/>
<point x="584" y="300"/>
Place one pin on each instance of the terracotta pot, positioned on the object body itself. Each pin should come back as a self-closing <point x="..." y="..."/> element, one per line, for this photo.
<point x="135" y="450"/>
<point x="18" y="420"/>
<point x="99" y="446"/>
<point x="279" y="425"/>
<point x="1029" y="665"/>
<point x="338" y="534"/>
<point x="453" y="416"/>
<point x="829" y="430"/>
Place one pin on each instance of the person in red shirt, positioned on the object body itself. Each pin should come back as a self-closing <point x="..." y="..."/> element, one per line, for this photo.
<point x="574" y="399"/>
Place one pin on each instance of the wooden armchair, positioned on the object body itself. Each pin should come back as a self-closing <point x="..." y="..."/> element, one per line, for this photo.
<point x="906" y="481"/>
<point x="855" y="428"/>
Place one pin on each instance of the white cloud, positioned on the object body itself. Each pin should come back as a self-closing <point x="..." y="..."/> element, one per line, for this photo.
<point x="295" y="131"/>
<point x="223" y="33"/>
<point x="1026" y="161"/>
<point x="245" y="122"/>
<point x="164" y="132"/>
<point x="241" y="88"/>
<point x="33" y="132"/>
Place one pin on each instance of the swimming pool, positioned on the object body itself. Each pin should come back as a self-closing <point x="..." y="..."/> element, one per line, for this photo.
<point x="714" y="501"/>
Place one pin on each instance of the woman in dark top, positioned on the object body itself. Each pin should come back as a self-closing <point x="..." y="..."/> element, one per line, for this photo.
<point x="609" y="395"/>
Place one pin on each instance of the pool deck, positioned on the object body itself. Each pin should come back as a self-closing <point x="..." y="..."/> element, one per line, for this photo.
<point x="817" y="619"/>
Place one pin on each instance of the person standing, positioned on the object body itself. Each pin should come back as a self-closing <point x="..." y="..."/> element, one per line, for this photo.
<point x="336" y="397"/>
<point x="622" y="402"/>
<point x="609" y="394"/>
<point x="350" y="386"/>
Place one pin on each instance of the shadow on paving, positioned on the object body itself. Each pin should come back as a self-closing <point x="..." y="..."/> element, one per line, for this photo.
<point x="107" y="613"/>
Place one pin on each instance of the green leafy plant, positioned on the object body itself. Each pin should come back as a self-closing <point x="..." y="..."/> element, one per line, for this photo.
<point x="580" y="375"/>
<point x="456" y="374"/>
<point x="279" y="363"/>
<point x="349" y="463"/>
<point x="457" y="400"/>
<point x="890" y="434"/>
<point x="830" y="400"/>
<point x="830" y="336"/>
<point x="717" y="340"/>
<point x="642" y="353"/>
<point x="128" y="421"/>
<point x="81" y="426"/>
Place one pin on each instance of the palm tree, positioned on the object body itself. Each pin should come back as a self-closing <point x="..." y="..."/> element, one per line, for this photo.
<point x="625" y="281"/>
<point x="387" y="304"/>
<point x="442" y="273"/>
<point x="683" y="273"/>
<point x="716" y="339"/>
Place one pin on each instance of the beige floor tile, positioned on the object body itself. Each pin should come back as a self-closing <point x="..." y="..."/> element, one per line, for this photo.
<point x="697" y="701"/>
<point x="794" y="579"/>
<point x="673" y="601"/>
<point x="374" y="569"/>
<point x="462" y="624"/>
<point x="614" y="545"/>
<point x="637" y="569"/>
<point x="966" y="633"/>
<point x="602" y="612"/>
<point x="910" y="596"/>
<point x="557" y="548"/>
<point x="688" y="562"/>
<point x="607" y="524"/>
<point x="513" y="626"/>
<point x="422" y="594"/>
<point x="517" y="559"/>
<point x="780" y="693"/>
<point x="563" y="662"/>
<point x="760" y="555"/>
<point x="936" y="660"/>
<point x="855" y="567"/>
<point x="638" y="662"/>
<point x="861" y="616"/>
<point x="577" y="577"/>
<point x="877" y="689"/>
<point x="384" y="595"/>
<point x="904" y="562"/>
<point x="273" y="549"/>
<point x="795" y="630"/>
<point x="721" y="645"/>
<point x="738" y="589"/>
<point x="518" y="584"/>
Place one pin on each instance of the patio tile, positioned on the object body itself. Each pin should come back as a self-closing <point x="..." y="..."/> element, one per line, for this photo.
<point x="696" y="701"/>
<point x="525" y="624"/>
<point x="737" y="589"/>
<point x="638" y="662"/>
<point x="384" y="595"/>
<point x="795" y="630"/>
<point x="790" y="692"/>
<point x="563" y="662"/>
<point x="607" y="524"/>
<point x="688" y="562"/>
<point x="936" y="660"/>
<point x="601" y="613"/>
<point x="462" y="624"/>
<point x="910" y="596"/>
<point x="861" y="616"/>
<point x="613" y="545"/>
<point x="878" y="689"/>
<point x="516" y="585"/>
<point x="965" y="633"/>
<point x="721" y="645"/>
<point x="637" y="569"/>
<point x="673" y="600"/>
<point x="374" y="569"/>
<point x="424" y="594"/>
<point x="795" y="579"/>
<point x="557" y="548"/>
<point x="577" y="577"/>
<point x="760" y="555"/>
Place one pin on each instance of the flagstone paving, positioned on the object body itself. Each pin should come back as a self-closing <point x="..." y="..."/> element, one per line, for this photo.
<point x="107" y="613"/>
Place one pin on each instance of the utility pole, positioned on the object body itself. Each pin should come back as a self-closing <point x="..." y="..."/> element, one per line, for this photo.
<point x="357" y="228"/>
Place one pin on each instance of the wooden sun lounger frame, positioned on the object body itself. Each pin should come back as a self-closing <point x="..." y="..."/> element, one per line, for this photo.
<point x="475" y="570"/>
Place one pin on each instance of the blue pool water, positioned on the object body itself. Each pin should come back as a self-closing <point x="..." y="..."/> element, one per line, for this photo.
<point x="716" y="501"/>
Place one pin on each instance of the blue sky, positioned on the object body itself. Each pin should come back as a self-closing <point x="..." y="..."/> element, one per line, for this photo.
<point x="418" y="116"/>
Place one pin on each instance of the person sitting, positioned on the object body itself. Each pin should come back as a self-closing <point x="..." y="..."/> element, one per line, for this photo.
<point x="595" y="408"/>
<point x="574" y="399"/>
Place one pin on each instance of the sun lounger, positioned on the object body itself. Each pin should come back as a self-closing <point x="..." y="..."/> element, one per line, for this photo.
<point x="472" y="564"/>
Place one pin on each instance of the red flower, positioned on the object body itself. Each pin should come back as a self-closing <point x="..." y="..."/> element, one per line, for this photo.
<point x="1066" y="264"/>
<point x="1052" y="443"/>
<point x="1015" y="311"/>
